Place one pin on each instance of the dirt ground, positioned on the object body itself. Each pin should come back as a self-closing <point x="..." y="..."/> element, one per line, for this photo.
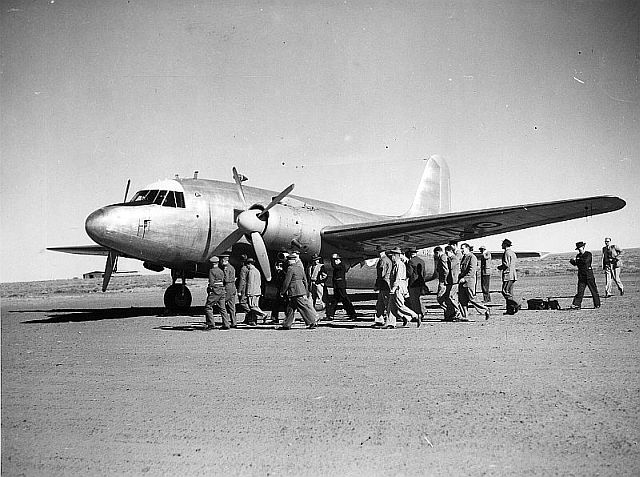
<point x="107" y="384"/>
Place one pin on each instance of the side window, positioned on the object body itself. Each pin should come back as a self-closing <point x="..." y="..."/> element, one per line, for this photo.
<point x="170" y="201"/>
<point x="180" y="200"/>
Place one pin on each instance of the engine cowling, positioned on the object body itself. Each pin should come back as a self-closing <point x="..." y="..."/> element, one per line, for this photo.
<point x="291" y="227"/>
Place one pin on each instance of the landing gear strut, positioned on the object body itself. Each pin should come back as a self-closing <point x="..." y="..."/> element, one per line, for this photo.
<point x="177" y="297"/>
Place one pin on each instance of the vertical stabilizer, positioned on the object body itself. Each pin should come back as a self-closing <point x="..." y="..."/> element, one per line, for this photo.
<point x="434" y="191"/>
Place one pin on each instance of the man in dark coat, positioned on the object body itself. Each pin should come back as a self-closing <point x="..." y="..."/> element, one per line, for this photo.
<point x="449" y="298"/>
<point x="295" y="287"/>
<point x="585" y="277"/>
<point x="383" y="287"/>
<point x="467" y="283"/>
<point x="416" y="271"/>
<point x="339" y="281"/>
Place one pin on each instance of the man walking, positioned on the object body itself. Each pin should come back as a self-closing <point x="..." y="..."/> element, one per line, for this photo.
<point x="242" y="285"/>
<point x="339" y="280"/>
<point x="585" y="277"/>
<point x="317" y="279"/>
<point x="399" y="290"/>
<point x="294" y="286"/>
<point x="416" y="271"/>
<point x="509" y="276"/>
<point x="447" y="278"/>
<point x="383" y="287"/>
<point x="611" y="264"/>
<point x="467" y="283"/>
<point x="253" y="291"/>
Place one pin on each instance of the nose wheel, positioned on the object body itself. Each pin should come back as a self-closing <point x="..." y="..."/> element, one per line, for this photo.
<point x="177" y="298"/>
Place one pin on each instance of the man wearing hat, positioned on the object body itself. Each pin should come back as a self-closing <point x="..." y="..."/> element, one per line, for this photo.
<point x="509" y="276"/>
<point x="215" y="297"/>
<point x="399" y="290"/>
<point x="416" y="271"/>
<point x="317" y="276"/>
<point x="383" y="287"/>
<point x="231" y="292"/>
<point x="585" y="277"/>
<point x="467" y="283"/>
<point x="294" y="286"/>
<point x="339" y="281"/>
<point x="252" y="291"/>
<point x="485" y="273"/>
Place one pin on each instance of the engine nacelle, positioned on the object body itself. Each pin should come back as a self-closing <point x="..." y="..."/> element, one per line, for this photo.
<point x="293" y="227"/>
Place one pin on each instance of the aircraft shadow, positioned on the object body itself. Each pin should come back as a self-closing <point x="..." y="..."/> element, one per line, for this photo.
<point x="73" y="315"/>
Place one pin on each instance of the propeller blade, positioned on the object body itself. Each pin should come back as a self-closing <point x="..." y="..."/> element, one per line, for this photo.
<point x="228" y="242"/>
<point x="238" y="179"/>
<point x="261" y="253"/>
<point x="277" y="199"/>
<point x="126" y="191"/>
<point x="112" y="259"/>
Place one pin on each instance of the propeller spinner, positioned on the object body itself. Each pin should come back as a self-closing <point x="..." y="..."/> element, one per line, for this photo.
<point x="252" y="223"/>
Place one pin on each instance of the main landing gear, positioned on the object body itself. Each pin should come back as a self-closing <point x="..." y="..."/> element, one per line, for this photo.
<point x="177" y="297"/>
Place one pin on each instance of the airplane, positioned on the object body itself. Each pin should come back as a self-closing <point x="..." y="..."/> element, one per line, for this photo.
<point x="180" y="223"/>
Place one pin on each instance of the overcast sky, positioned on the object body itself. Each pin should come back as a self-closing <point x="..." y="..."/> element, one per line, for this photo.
<point x="527" y="101"/>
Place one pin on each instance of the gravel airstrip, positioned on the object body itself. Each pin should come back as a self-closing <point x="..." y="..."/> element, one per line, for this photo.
<point x="108" y="384"/>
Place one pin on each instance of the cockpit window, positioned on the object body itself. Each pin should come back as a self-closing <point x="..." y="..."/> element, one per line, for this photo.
<point x="166" y="198"/>
<point x="170" y="200"/>
<point x="160" y="197"/>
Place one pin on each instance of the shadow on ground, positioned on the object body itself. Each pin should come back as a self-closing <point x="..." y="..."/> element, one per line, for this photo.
<point x="75" y="315"/>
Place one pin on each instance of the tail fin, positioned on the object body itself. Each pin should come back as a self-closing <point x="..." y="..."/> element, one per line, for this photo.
<point x="434" y="191"/>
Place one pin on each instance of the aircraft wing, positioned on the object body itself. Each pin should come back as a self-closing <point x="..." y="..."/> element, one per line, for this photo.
<point x="428" y="231"/>
<point x="86" y="250"/>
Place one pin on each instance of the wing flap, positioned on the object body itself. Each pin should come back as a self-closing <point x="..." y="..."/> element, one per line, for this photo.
<point x="427" y="231"/>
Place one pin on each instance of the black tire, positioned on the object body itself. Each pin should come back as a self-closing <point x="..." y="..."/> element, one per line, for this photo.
<point x="177" y="298"/>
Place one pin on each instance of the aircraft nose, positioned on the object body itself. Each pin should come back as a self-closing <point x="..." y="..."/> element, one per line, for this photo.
<point x="96" y="225"/>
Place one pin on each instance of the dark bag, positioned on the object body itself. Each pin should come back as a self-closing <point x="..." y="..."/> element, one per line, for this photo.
<point x="536" y="304"/>
<point x="553" y="304"/>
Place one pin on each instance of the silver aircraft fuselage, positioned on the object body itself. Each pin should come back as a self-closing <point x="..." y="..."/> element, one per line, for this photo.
<point x="183" y="238"/>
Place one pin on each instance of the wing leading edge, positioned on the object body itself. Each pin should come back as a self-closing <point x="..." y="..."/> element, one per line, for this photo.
<point x="86" y="250"/>
<point x="427" y="231"/>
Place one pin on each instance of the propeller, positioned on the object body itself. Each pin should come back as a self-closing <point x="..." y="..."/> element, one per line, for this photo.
<point x="112" y="259"/>
<point x="252" y="222"/>
<point x="110" y="266"/>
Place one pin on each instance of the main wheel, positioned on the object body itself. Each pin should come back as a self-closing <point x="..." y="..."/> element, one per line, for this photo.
<point x="177" y="298"/>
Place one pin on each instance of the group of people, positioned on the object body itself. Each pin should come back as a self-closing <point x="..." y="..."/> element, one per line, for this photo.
<point x="457" y="268"/>
<point x="398" y="278"/>
<point x="223" y="295"/>
<point x="401" y="279"/>
<point x="299" y="290"/>
<point x="611" y="265"/>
